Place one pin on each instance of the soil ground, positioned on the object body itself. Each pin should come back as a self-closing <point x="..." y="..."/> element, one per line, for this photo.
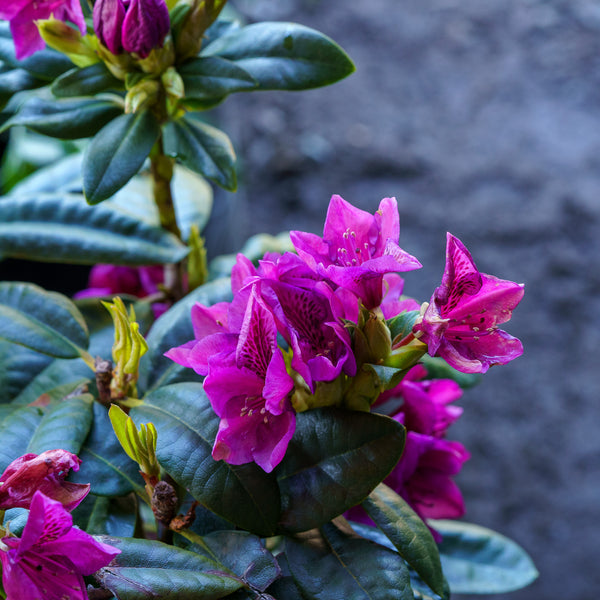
<point x="483" y="119"/>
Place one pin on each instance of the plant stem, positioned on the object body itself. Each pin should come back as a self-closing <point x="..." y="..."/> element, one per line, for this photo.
<point x="161" y="167"/>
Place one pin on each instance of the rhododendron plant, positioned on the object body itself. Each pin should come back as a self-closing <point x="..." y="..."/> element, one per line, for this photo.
<point x="219" y="426"/>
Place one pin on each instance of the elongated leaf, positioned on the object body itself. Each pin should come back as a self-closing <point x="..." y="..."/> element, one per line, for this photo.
<point x="284" y="56"/>
<point x="174" y="328"/>
<point x="408" y="533"/>
<point x="63" y="228"/>
<point x="63" y="175"/>
<point x="65" y="119"/>
<point x="18" y="366"/>
<point x="65" y="425"/>
<point x="187" y="426"/>
<point x="438" y="368"/>
<point x="335" y="459"/>
<point x="14" y="81"/>
<point x="202" y="148"/>
<point x="477" y="560"/>
<point x="15" y="432"/>
<point x="335" y="564"/>
<point x="150" y="569"/>
<point x="214" y="77"/>
<point x="99" y="515"/>
<point x="117" y="153"/>
<point x="47" y="322"/>
<point x="104" y="464"/>
<point x="86" y="82"/>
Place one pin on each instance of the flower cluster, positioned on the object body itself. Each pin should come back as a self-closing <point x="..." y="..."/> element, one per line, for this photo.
<point x="331" y="303"/>
<point x="51" y="557"/>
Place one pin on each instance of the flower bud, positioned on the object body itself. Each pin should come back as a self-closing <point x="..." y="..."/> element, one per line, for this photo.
<point x="108" y="23"/>
<point x="69" y="41"/>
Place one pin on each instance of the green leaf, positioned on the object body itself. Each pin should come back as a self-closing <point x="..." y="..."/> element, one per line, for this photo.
<point x="14" y="81"/>
<point x="202" y="148"/>
<point x="63" y="228"/>
<point x="47" y="322"/>
<point x="438" y="368"/>
<point x="65" y="119"/>
<point x="150" y="569"/>
<point x="98" y="515"/>
<point x="85" y="82"/>
<point x="187" y="426"/>
<point x="408" y="533"/>
<point x="284" y="56"/>
<point x="174" y="328"/>
<point x="214" y="77"/>
<point x="104" y="464"/>
<point x="401" y="325"/>
<point x="117" y="153"/>
<point x="61" y="175"/>
<point x="333" y="564"/>
<point x="477" y="560"/>
<point x="65" y="425"/>
<point x="335" y="459"/>
<point x="15" y="432"/>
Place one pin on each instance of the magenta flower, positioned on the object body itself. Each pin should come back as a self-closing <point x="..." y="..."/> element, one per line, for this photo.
<point x="23" y="14"/>
<point x="45" y="473"/>
<point x="51" y="557"/>
<point x="461" y="321"/>
<point x="357" y="248"/>
<point x="131" y="25"/>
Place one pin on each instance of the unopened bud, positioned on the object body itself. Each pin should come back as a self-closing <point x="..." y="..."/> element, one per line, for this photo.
<point x="141" y="95"/>
<point x="201" y="16"/>
<point x="69" y="41"/>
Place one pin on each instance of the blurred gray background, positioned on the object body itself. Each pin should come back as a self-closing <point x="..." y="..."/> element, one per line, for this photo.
<point x="482" y="117"/>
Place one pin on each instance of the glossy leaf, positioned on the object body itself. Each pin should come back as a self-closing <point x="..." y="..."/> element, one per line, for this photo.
<point x="65" y="119"/>
<point x="187" y="426"/>
<point x="104" y="464"/>
<point x="15" y="432"/>
<point x="117" y="153"/>
<point x="63" y="228"/>
<point x="14" y="81"/>
<point x="47" y="322"/>
<point x="284" y="56"/>
<point x="174" y="328"/>
<point x="408" y="533"/>
<point x="85" y="82"/>
<point x="151" y="569"/>
<point x="99" y="515"/>
<point x="64" y="425"/>
<point x="214" y="77"/>
<point x="63" y="175"/>
<point x="401" y="325"/>
<point x="335" y="459"/>
<point x="202" y="148"/>
<point x="333" y="564"/>
<point x="477" y="560"/>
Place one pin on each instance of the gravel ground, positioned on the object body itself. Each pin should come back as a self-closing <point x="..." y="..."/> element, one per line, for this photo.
<point x="482" y="118"/>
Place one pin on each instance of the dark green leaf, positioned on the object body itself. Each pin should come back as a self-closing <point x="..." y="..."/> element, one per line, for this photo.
<point x="202" y="148"/>
<point x="335" y="459"/>
<point x="214" y="77"/>
<point x="47" y="322"/>
<point x="104" y="463"/>
<point x="86" y="82"/>
<point x="408" y="533"/>
<point x="148" y="569"/>
<point x="63" y="228"/>
<point x="284" y="56"/>
<point x="401" y="325"/>
<point x="64" y="425"/>
<point x="15" y="432"/>
<point x="63" y="175"/>
<point x="187" y="426"/>
<point x="174" y="328"/>
<point x="46" y="64"/>
<point x="14" y="81"/>
<point x="477" y="560"/>
<point x="65" y="119"/>
<point x="99" y="515"/>
<point x="335" y="564"/>
<point x="117" y="153"/>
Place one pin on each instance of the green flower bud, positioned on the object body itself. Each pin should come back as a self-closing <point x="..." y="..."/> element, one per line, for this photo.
<point x="60" y="36"/>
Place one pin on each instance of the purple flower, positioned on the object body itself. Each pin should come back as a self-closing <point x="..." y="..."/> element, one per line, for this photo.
<point x="23" y="14"/>
<point x="131" y="25"/>
<point x="461" y="321"/>
<point x="51" y="557"/>
<point x="357" y="248"/>
<point x="45" y="473"/>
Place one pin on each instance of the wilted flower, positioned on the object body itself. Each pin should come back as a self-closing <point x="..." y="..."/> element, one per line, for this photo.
<point x="460" y="324"/>
<point x="51" y="557"/>
<point x="131" y="25"/>
<point x="45" y="473"/>
<point x="357" y="248"/>
<point x="23" y="14"/>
